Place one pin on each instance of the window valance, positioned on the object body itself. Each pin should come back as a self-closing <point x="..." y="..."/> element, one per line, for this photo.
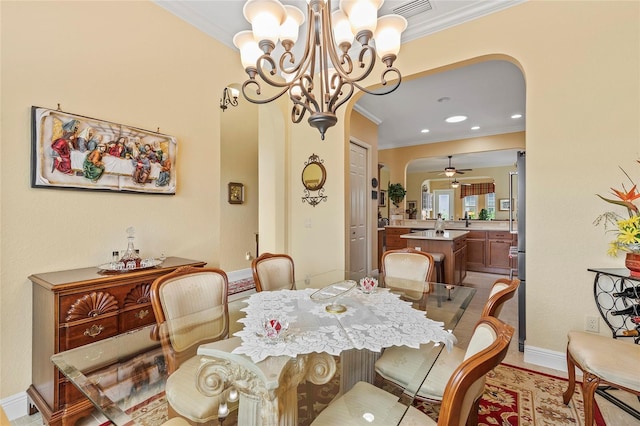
<point x="477" y="189"/>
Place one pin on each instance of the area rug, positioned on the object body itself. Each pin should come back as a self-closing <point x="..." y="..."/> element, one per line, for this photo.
<point x="513" y="396"/>
<point x="240" y="286"/>
<point x="516" y="396"/>
<point x="152" y="412"/>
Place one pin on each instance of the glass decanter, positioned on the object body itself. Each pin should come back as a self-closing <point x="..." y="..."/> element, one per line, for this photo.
<point x="130" y="258"/>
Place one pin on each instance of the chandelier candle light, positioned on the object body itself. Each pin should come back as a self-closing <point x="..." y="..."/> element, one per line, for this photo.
<point x="324" y="78"/>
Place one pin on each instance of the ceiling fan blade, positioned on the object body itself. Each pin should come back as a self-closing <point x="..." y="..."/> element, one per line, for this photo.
<point x="459" y="172"/>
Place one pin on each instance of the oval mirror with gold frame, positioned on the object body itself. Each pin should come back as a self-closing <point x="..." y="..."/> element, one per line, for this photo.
<point x="314" y="175"/>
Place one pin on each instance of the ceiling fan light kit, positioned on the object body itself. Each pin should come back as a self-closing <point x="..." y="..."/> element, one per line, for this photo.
<point x="450" y="171"/>
<point x="324" y="78"/>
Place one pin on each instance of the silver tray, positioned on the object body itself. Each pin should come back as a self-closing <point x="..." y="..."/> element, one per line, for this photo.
<point x="145" y="264"/>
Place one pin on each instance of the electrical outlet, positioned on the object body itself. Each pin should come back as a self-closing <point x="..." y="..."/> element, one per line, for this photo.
<point x="248" y="256"/>
<point x="591" y="323"/>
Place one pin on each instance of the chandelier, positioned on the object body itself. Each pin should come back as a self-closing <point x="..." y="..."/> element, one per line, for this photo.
<point x="326" y="75"/>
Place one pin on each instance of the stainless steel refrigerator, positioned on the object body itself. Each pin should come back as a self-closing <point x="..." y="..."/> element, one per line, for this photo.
<point x="518" y="215"/>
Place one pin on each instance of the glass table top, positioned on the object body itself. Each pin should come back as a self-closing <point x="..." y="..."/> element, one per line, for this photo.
<point x="124" y="372"/>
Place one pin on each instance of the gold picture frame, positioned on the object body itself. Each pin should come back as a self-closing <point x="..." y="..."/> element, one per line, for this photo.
<point x="236" y="193"/>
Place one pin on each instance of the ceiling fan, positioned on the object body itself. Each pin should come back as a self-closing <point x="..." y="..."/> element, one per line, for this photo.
<point x="455" y="183"/>
<point x="451" y="171"/>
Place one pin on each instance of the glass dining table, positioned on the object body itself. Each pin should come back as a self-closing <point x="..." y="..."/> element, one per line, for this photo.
<point x="121" y="374"/>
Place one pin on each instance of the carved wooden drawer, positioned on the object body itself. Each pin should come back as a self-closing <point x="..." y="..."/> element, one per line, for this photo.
<point x="136" y="317"/>
<point x="137" y="311"/>
<point x="87" y="332"/>
<point x="89" y="305"/>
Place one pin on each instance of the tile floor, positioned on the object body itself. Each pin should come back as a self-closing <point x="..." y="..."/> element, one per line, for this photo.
<point x="613" y="415"/>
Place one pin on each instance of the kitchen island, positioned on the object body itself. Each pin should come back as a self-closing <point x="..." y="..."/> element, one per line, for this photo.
<point x="488" y="242"/>
<point x="452" y="243"/>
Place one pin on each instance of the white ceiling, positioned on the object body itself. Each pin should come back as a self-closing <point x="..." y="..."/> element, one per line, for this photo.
<point x="488" y="93"/>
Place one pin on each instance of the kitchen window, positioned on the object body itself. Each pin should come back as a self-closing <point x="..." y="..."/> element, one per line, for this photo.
<point x="490" y="203"/>
<point x="470" y="205"/>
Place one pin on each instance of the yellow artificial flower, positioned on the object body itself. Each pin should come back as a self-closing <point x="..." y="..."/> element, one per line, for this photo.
<point x="627" y="230"/>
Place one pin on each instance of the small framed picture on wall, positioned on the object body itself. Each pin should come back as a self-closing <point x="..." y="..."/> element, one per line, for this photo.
<point x="504" y="205"/>
<point x="236" y="193"/>
<point x="382" y="201"/>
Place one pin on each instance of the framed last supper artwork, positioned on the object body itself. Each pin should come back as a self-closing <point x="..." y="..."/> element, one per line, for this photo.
<point x="71" y="151"/>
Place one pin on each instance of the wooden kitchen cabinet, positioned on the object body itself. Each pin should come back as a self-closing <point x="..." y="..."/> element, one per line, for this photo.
<point x="381" y="246"/>
<point x="488" y="251"/>
<point x="454" y="248"/>
<point x="460" y="261"/>
<point x="476" y="248"/>
<point x="393" y="240"/>
<point x="498" y="244"/>
<point x="77" y="307"/>
<point x="498" y="254"/>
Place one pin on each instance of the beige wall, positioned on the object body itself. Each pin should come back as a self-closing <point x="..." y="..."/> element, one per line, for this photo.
<point x="580" y="61"/>
<point x="239" y="163"/>
<point x="125" y="62"/>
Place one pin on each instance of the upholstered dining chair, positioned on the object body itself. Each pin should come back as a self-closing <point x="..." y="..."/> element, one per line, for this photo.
<point x="503" y="289"/>
<point x="603" y="361"/>
<point x="190" y="305"/>
<point x="404" y="270"/>
<point x="487" y="348"/>
<point x="408" y="263"/>
<point x="397" y="363"/>
<point x="273" y="272"/>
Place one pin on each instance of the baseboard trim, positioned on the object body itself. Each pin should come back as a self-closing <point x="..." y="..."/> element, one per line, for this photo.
<point x="545" y="358"/>
<point x="15" y="406"/>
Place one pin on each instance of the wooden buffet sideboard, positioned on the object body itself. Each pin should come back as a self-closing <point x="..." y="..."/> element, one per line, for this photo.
<point x="73" y="308"/>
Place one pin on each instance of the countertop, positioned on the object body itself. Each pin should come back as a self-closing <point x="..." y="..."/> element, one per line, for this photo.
<point x="474" y="225"/>
<point x="431" y="235"/>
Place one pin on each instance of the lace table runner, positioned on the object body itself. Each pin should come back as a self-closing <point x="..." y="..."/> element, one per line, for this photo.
<point x="372" y="321"/>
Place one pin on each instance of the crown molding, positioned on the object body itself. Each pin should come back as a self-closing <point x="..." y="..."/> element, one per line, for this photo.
<point x="367" y="114"/>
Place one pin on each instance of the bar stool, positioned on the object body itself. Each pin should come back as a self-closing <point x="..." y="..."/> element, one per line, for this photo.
<point x="438" y="259"/>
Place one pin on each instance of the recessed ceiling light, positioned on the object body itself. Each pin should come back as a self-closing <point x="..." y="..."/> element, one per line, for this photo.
<point x="424" y="131"/>
<point x="516" y="116"/>
<point x="475" y="128"/>
<point x="456" y="118"/>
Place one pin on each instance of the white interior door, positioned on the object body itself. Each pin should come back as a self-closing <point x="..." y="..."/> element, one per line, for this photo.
<point x="358" y="236"/>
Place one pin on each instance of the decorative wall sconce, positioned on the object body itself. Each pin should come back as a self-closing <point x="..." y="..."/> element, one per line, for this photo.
<point x="229" y="97"/>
